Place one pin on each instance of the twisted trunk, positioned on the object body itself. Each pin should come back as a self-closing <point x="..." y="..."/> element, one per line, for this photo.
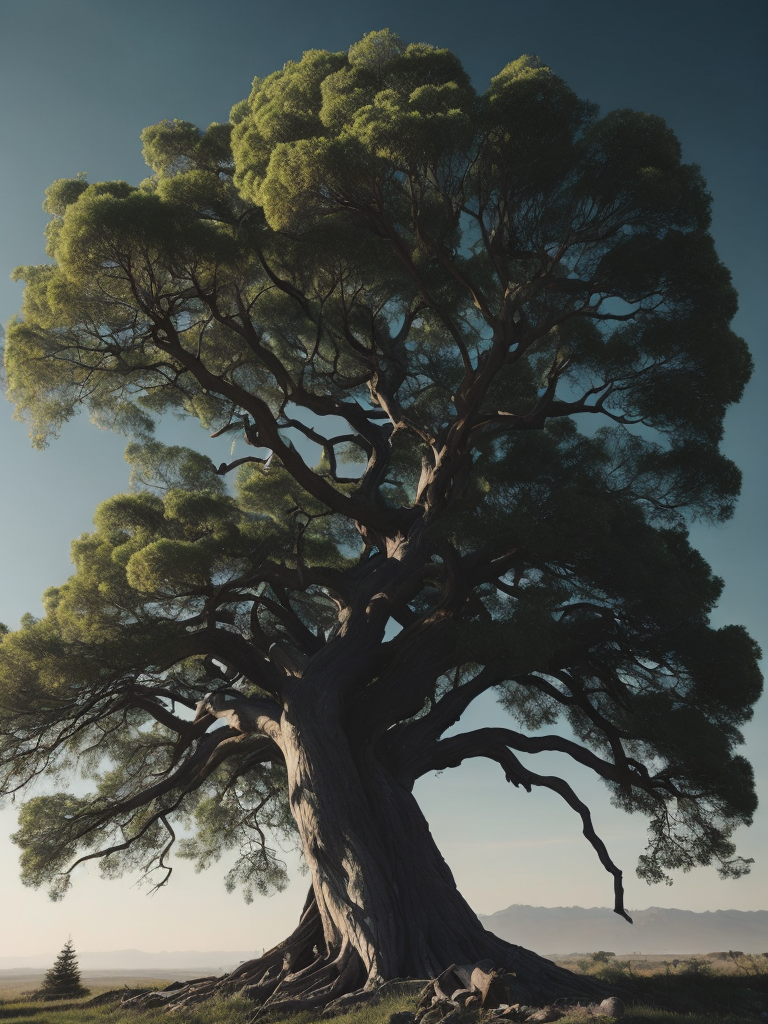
<point x="382" y="887"/>
<point x="383" y="904"/>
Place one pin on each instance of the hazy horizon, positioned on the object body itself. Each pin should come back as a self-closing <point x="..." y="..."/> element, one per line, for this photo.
<point x="677" y="930"/>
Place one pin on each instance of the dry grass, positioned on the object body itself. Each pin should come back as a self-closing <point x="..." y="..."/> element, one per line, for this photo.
<point x="727" y="987"/>
<point x="16" y="985"/>
<point x="657" y="990"/>
<point x="726" y="963"/>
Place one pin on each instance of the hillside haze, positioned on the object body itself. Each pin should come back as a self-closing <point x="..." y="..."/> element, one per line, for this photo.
<point x="655" y="930"/>
<point x="546" y="930"/>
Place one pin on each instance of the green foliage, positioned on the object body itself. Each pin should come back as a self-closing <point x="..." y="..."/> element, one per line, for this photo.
<point x="502" y="317"/>
<point x="63" y="979"/>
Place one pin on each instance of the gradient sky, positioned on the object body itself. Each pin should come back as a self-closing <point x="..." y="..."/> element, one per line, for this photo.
<point x="80" y="79"/>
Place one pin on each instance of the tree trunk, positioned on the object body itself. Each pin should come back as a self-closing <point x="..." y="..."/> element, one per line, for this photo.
<point x="382" y="887"/>
<point x="383" y="903"/>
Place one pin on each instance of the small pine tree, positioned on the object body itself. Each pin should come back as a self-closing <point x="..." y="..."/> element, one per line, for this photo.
<point x="63" y="979"/>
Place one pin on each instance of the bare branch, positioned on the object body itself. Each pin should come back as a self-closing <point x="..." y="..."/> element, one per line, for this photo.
<point x="490" y="743"/>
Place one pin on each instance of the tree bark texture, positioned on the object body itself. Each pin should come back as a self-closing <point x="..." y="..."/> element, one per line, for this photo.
<point x="383" y="903"/>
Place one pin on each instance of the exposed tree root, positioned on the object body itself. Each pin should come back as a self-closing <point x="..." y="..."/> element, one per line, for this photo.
<point x="300" y="973"/>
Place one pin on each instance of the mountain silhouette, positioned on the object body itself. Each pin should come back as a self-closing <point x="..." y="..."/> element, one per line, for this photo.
<point x="655" y="930"/>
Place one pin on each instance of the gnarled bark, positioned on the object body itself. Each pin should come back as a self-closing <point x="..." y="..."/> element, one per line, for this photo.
<point x="383" y="903"/>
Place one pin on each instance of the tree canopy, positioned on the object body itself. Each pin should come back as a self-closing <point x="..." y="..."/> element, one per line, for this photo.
<point x="479" y="347"/>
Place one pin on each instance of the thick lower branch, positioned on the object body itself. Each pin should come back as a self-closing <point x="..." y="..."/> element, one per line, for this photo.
<point x="481" y="744"/>
<point x="439" y="755"/>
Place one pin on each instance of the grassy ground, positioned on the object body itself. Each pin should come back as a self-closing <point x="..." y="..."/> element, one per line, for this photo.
<point x="725" y="988"/>
<point x="15" y="985"/>
<point x="683" y="990"/>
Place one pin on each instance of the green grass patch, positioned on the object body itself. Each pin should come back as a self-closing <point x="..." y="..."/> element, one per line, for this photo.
<point x="231" y="1010"/>
<point x="660" y="998"/>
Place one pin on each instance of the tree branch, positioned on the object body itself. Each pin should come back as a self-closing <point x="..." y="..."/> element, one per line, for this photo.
<point x="488" y="743"/>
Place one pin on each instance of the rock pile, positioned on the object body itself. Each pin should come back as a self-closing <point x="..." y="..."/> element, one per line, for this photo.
<point x="462" y="988"/>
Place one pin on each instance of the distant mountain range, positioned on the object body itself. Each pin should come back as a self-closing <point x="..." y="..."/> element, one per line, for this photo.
<point x="656" y="930"/>
<point x="546" y="930"/>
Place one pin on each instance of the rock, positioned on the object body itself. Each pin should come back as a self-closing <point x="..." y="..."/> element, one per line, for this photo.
<point x="545" y="1015"/>
<point x="509" y="1014"/>
<point x="492" y="986"/>
<point x="447" y="982"/>
<point x="461" y="995"/>
<point x="612" y="1007"/>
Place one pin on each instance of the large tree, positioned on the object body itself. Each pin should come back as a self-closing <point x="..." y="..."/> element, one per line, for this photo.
<point x="480" y="349"/>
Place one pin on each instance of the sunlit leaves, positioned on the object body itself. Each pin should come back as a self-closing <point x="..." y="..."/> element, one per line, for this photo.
<point x="63" y="192"/>
<point x="172" y="147"/>
<point x="533" y="120"/>
<point x="44" y="822"/>
<point x="172" y="468"/>
<point x="169" y="564"/>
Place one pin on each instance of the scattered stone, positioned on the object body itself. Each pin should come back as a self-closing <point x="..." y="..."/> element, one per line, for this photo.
<point x="612" y="1007"/>
<point x="461" y="995"/>
<point x="546" y="1015"/>
<point x="489" y="984"/>
<point x="502" y="997"/>
<point x="507" y="1014"/>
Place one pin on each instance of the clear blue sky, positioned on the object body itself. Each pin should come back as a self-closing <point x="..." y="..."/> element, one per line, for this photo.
<point x="81" y="78"/>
